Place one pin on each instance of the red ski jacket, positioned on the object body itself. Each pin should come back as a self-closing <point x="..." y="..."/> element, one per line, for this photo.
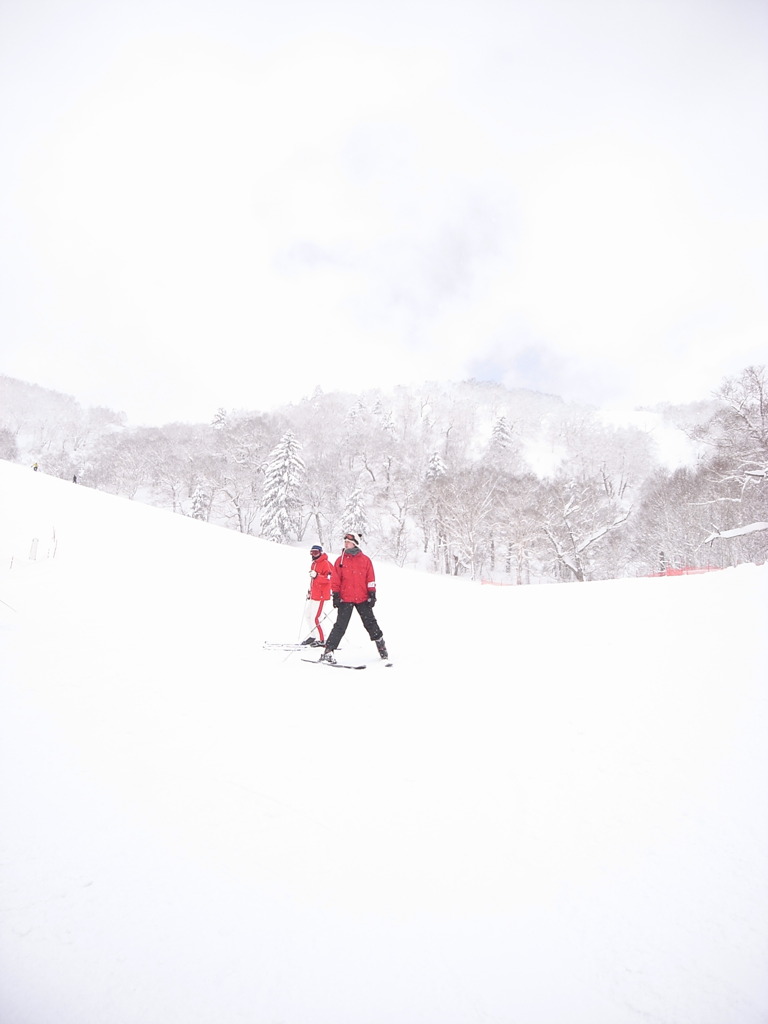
<point x="320" y="585"/>
<point x="352" y="577"/>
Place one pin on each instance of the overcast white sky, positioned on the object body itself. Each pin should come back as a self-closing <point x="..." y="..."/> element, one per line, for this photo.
<point x="229" y="202"/>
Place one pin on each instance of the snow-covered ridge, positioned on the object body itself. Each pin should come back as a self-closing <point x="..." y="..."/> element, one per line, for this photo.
<point x="549" y="810"/>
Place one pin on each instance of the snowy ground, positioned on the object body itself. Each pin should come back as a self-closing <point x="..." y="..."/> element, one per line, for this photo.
<point x="552" y="810"/>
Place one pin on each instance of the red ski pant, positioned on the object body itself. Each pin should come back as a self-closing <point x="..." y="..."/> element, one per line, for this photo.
<point x="313" y="617"/>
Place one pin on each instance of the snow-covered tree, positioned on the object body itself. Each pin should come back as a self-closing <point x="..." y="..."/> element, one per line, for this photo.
<point x="281" y="503"/>
<point x="501" y="449"/>
<point x="575" y="517"/>
<point x="467" y="510"/>
<point x="121" y="464"/>
<point x="412" y="451"/>
<point x="672" y="515"/>
<point x="8" y="446"/>
<point x="355" y="517"/>
<point x="516" y="525"/>
<point x="201" y="504"/>
<point x="436" y="467"/>
<point x="240" y="444"/>
<point x="738" y="437"/>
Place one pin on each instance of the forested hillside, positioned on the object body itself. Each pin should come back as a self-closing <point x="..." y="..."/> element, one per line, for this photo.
<point x="471" y="479"/>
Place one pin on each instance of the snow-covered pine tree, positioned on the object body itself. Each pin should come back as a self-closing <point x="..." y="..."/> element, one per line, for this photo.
<point x="501" y="446"/>
<point x="432" y="512"/>
<point x="281" y="501"/>
<point x="436" y="467"/>
<point x="501" y="435"/>
<point x="355" y="517"/>
<point x="201" y="504"/>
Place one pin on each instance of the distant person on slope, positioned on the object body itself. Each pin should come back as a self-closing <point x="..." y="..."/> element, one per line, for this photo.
<point x="318" y="593"/>
<point x="353" y="585"/>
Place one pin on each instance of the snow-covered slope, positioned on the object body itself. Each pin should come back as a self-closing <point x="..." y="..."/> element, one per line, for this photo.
<point x="551" y="810"/>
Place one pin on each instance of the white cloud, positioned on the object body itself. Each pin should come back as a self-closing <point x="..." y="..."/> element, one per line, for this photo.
<point x="217" y="210"/>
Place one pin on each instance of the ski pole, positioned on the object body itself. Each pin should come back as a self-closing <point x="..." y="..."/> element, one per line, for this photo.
<point x="303" y="617"/>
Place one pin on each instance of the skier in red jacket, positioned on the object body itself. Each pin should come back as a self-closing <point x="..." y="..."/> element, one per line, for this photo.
<point x="318" y="593"/>
<point x="353" y="585"/>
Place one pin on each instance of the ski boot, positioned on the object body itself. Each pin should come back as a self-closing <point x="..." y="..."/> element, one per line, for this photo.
<point x="381" y="647"/>
<point x="328" y="656"/>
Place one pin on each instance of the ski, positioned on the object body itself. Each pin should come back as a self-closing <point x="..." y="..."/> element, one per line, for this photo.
<point x="336" y="664"/>
<point x="331" y="664"/>
<point x="288" y="647"/>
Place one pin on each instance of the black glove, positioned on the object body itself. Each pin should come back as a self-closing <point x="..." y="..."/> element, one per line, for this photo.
<point x="335" y="599"/>
<point x="372" y="598"/>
